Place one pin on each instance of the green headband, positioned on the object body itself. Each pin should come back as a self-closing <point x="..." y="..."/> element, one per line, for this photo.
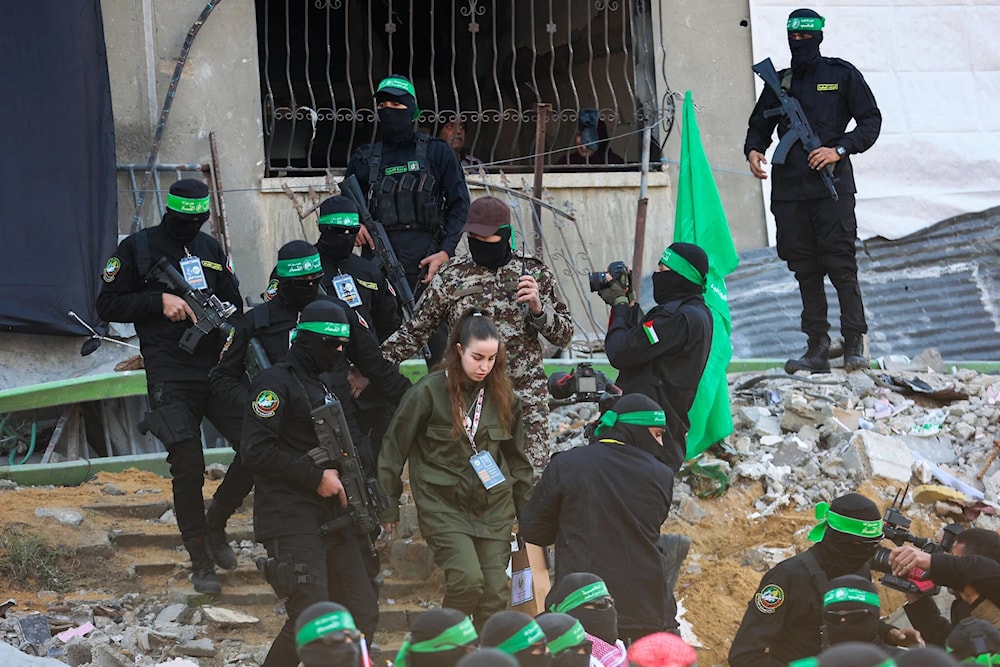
<point x="987" y="659"/>
<point x="185" y="205"/>
<point x="569" y="639"/>
<point x="806" y="24"/>
<point x="462" y="634"/>
<point x="300" y="266"/>
<point x="845" y="524"/>
<point x="523" y="639"/>
<point x="850" y="595"/>
<point x="582" y="596"/>
<point x="814" y="662"/>
<point x="675" y="262"/>
<point x="335" y="621"/>
<point x="642" y="418"/>
<point x="339" y="329"/>
<point x="340" y="219"/>
<point x="396" y="82"/>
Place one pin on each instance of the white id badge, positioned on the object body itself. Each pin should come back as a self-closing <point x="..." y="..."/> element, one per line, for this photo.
<point x="487" y="469"/>
<point x="193" y="273"/>
<point x="347" y="290"/>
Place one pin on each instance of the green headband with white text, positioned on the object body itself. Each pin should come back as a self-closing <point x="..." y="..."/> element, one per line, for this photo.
<point x="299" y="266"/>
<point x="582" y="596"/>
<point x="806" y="24"/>
<point x="678" y="264"/>
<point x="335" y="621"/>
<point x="858" y="527"/>
<point x="186" y="205"/>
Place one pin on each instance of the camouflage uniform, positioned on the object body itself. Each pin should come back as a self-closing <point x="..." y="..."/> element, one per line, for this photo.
<point x="463" y="284"/>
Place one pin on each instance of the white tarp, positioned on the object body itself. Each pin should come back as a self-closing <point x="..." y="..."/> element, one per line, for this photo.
<point x="935" y="70"/>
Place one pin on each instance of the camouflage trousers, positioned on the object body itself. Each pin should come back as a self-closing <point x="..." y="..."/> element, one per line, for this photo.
<point x="535" y="405"/>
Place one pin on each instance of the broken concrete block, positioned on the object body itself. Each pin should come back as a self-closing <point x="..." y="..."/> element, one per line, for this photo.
<point x="874" y="455"/>
<point x="197" y="648"/>
<point x="66" y="515"/>
<point x="792" y="452"/>
<point x="848" y="419"/>
<point x="691" y="511"/>
<point x="797" y="416"/>
<point x="227" y="617"/>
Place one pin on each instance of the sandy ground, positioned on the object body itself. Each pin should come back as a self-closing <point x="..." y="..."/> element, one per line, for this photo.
<point x="714" y="587"/>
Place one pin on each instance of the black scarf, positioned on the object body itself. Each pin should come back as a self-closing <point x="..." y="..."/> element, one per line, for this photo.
<point x="397" y="124"/>
<point x="602" y="623"/>
<point x="297" y="293"/>
<point x="182" y="227"/>
<point x="672" y="286"/>
<point x="804" y="51"/>
<point x="492" y="255"/>
<point x="336" y="244"/>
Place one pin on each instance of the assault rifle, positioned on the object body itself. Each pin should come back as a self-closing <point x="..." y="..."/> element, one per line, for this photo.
<point x="364" y="497"/>
<point x="384" y="254"/>
<point x="210" y="311"/>
<point x="256" y="359"/>
<point x="798" y="125"/>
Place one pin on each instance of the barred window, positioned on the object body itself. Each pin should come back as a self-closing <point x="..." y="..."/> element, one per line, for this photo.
<point x="485" y="62"/>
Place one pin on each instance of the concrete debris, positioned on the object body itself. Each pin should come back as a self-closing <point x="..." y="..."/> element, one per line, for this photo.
<point x="70" y="517"/>
<point x="227" y="617"/>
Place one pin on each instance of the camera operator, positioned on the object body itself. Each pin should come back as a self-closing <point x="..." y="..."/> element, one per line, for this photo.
<point x="971" y="570"/>
<point x="662" y="354"/>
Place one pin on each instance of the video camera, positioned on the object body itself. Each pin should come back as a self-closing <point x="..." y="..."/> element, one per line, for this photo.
<point x="586" y="383"/>
<point x="896" y="527"/>
<point x="599" y="279"/>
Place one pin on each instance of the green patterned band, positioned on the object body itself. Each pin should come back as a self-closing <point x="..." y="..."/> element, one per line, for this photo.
<point x="299" y="266"/>
<point x="569" y="639"/>
<point x="523" y="639"/>
<point x="340" y="220"/>
<point x="845" y="524"/>
<point x="462" y="634"/>
<point x="338" y="329"/>
<point x="642" y="418"/>
<point x="851" y="595"/>
<point x="396" y="82"/>
<point x="675" y="262"/>
<point x="806" y="24"/>
<point x="582" y="596"/>
<point x="185" y="205"/>
<point x="321" y="626"/>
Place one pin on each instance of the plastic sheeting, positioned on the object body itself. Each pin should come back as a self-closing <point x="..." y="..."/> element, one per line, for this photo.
<point x="58" y="217"/>
<point x="935" y="70"/>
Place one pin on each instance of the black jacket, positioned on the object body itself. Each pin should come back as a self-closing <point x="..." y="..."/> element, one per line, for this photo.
<point x="126" y="296"/>
<point x="277" y="434"/>
<point x="832" y="92"/>
<point x="602" y="506"/>
<point x="411" y="246"/>
<point x="668" y="371"/>
<point x="272" y="327"/>
<point x="378" y="305"/>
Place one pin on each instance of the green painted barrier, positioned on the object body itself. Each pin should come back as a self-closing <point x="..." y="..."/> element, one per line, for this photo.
<point x="73" y="473"/>
<point x="73" y="390"/>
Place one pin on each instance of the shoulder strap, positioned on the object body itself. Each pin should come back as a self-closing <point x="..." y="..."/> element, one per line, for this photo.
<point x="422" y="142"/>
<point x="143" y="261"/>
<point x="786" y="80"/>
<point x="818" y="575"/>
<point x="261" y="317"/>
<point x="374" y="162"/>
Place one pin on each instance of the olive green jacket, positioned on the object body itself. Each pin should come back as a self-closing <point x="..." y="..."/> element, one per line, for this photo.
<point x="447" y="491"/>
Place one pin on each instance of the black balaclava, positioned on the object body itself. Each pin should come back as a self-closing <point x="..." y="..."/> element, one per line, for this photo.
<point x="509" y="631"/>
<point x="601" y="623"/>
<point x="488" y="657"/>
<point x="564" y="634"/>
<point x="321" y="620"/>
<point x="396" y="124"/>
<point x="852" y="654"/>
<point x="973" y="637"/>
<point x="317" y="352"/>
<point x="804" y="51"/>
<point x="841" y="552"/>
<point x="187" y="210"/>
<point x="633" y="434"/>
<point x="850" y="610"/>
<point x="671" y="285"/>
<point x="297" y="259"/>
<point x="429" y="625"/>
<point x="492" y="255"/>
<point x="338" y="227"/>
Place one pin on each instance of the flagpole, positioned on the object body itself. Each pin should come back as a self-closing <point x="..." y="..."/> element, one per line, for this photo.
<point x="640" y="213"/>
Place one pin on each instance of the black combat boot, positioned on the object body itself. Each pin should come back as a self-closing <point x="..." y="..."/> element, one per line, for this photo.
<point x="203" y="575"/>
<point x="815" y="359"/>
<point x="854" y="352"/>
<point x="218" y="543"/>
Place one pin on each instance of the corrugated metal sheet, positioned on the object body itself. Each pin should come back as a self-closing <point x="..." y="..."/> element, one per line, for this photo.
<point x="937" y="288"/>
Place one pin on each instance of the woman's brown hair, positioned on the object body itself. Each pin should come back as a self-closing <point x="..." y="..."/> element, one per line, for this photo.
<point x="475" y="324"/>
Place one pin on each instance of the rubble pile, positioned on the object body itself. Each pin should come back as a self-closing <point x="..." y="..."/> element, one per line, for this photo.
<point x="800" y="439"/>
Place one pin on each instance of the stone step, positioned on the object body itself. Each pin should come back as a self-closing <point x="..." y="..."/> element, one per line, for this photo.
<point x="167" y="536"/>
<point x="145" y="510"/>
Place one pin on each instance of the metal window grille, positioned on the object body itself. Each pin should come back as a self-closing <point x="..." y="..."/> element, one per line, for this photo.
<point x="487" y="61"/>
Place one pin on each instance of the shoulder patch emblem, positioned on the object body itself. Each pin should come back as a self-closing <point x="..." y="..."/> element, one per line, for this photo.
<point x="229" y="265"/>
<point x="769" y="599"/>
<point x="266" y="404"/>
<point x="649" y="329"/>
<point x="271" y="291"/>
<point x="372" y="286"/>
<point x="215" y="266"/>
<point x="111" y="269"/>
<point x="822" y="87"/>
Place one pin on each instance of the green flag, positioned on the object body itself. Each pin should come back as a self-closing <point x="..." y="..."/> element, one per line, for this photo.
<point x="700" y="219"/>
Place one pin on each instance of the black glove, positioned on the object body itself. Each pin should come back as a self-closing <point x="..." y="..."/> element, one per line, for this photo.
<point x="614" y="294"/>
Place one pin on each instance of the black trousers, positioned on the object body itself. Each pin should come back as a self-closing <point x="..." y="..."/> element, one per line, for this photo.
<point x="329" y="568"/>
<point x="816" y="238"/>
<point x="181" y="406"/>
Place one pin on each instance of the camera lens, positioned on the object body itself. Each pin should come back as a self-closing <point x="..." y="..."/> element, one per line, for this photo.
<point x="597" y="280"/>
<point x="562" y="385"/>
<point x="880" y="560"/>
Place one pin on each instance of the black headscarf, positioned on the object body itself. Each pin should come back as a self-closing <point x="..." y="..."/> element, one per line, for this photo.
<point x="186" y="210"/>
<point x="804" y="51"/>
<point x="601" y="623"/>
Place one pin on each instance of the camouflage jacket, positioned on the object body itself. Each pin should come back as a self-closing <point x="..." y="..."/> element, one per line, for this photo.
<point x="463" y="284"/>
